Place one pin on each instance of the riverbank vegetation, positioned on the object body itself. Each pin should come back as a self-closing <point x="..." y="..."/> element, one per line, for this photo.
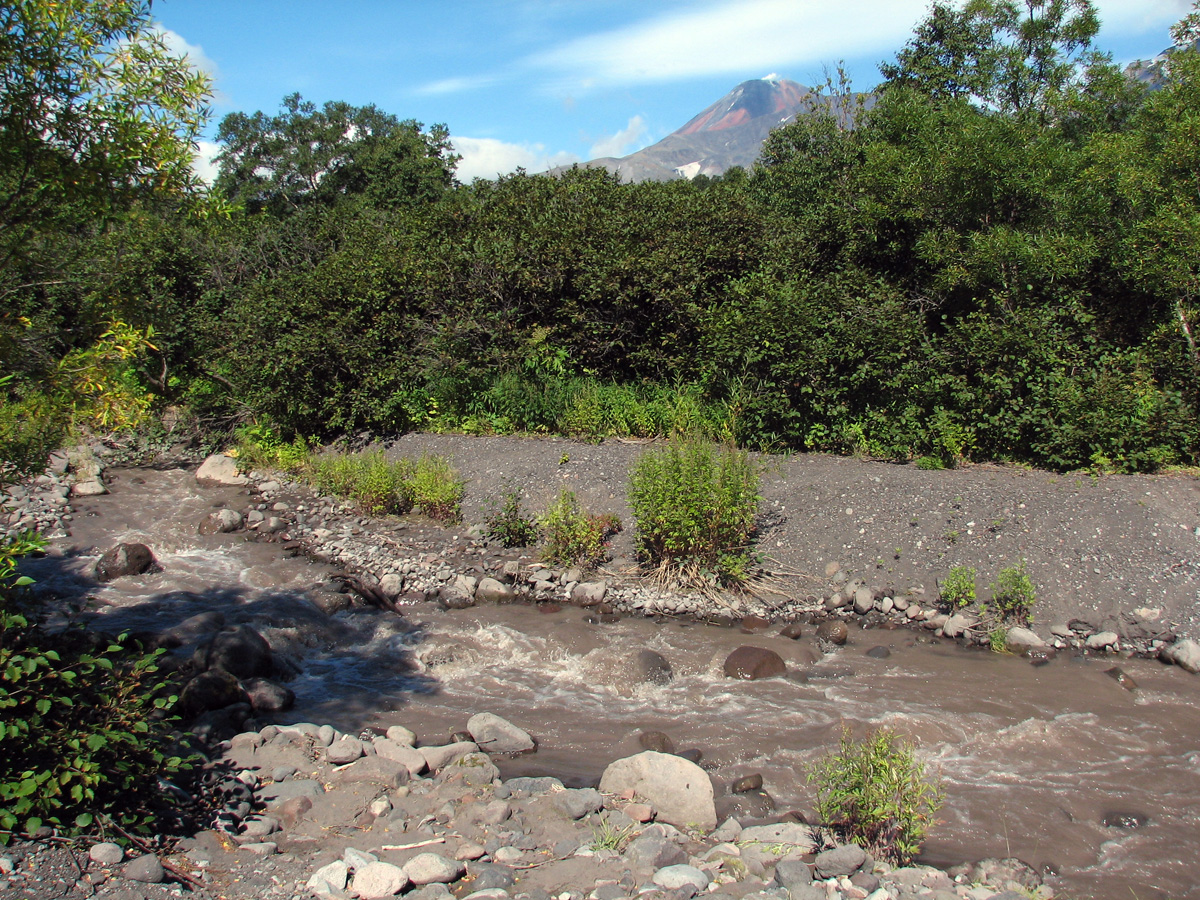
<point x="992" y="257"/>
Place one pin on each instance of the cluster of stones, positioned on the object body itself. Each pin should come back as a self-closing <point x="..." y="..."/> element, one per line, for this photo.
<point x="385" y="815"/>
<point x="43" y="504"/>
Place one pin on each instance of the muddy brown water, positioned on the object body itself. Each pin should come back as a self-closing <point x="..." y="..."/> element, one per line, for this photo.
<point x="1035" y="760"/>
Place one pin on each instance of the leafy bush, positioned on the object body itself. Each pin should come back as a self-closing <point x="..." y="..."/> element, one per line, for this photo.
<point x="571" y="536"/>
<point x="436" y="488"/>
<point x="875" y="793"/>
<point x="376" y="483"/>
<point x="695" y="506"/>
<point x="1013" y="595"/>
<point x="84" y="731"/>
<point x="509" y="525"/>
<point x="30" y="429"/>
<point x="958" y="587"/>
<point x="260" y="446"/>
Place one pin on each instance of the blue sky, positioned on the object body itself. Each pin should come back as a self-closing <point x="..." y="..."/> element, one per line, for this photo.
<point x="537" y="84"/>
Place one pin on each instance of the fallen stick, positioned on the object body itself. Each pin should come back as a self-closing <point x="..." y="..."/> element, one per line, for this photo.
<point x="440" y="840"/>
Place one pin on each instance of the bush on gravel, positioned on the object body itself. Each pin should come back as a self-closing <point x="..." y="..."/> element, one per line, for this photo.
<point x="84" y="728"/>
<point x="377" y="484"/>
<point x="875" y="793"/>
<point x="436" y="489"/>
<point x="572" y="536"/>
<point x="509" y="524"/>
<point x="958" y="587"/>
<point x="695" y="504"/>
<point x="1013" y="595"/>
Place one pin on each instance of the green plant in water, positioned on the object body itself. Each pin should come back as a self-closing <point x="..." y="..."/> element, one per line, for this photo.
<point x="695" y="504"/>
<point x="875" y="792"/>
<point x="572" y="536"/>
<point x="1013" y="594"/>
<point x="510" y="525"/>
<point x="998" y="639"/>
<point x="958" y="587"/>
<point x="436" y="488"/>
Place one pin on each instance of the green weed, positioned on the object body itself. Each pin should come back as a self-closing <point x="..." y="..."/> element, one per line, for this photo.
<point x="875" y="793"/>
<point x="377" y="484"/>
<point x="436" y="488"/>
<point x="1013" y="594"/>
<point x="958" y="587"/>
<point x="573" y="537"/>
<point x="510" y="525"/>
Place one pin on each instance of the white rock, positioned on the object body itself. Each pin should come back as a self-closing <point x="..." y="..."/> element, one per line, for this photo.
<point x="1185" y="653"/>
<point x="404" y="754"/>
<point x="1018" y="639"/>
<point x="402" y="735"/>
<point x="433" y="868"/>
<point x="330" y="879"/>
<point x="221" y="469"/>
<point x="1103" y="640"/>
<point x="492" y="591"/>
<point x="93" y="487"/>
<point x="673" y="877"/>
<point x="679" y="790"/>
<point x="391" y="585"/>
<point x="106" y="853"/>
<point x="379" y="879"/>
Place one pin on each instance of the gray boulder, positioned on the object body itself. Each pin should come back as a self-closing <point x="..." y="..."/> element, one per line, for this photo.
<point x="220" y="469"/>
<point x="123" y="560"/>
<point x="490" y="590"/>
<point x="578" y="803"/>
<point x="673" y="878"/>
<point x="843" y="860"/>
<point x="680" y="791"/>
<point x="754" y="662"/>
<point x="1184" y="653"/>
<point x="496" y="735"/>
<point x="378" y="879"/>
<point x="222" y="521"/>
<point x="1019" y="639"/>
<point x="239" y="650"/>
<point x="433" y="868"/>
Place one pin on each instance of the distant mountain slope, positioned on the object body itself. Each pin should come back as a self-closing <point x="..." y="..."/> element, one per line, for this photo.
<point x="728" y="133"/>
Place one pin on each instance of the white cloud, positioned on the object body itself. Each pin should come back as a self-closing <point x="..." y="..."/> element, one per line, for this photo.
<point x="178" y="46"/>
<point x="617" y="144"/>
<point x="456" y="85"/>
<point x="1142" y="15"/>
<point x="733" y="37"/>
<point x="489" y="157"/>
<point x="202" y="161"/>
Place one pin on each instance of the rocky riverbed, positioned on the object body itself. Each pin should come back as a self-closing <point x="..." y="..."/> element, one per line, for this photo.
<point x="409" y="565"/>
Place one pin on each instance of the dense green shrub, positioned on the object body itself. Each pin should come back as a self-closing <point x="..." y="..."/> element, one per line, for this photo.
<point x="694" y="505"/>
<point x="259" y="446"/>
<point x="1013" y="594"/>
<point x="571" y="536"/>
<point x="436" y="488"/>
<point x="958" y="587"/>
<point x="84" y="729"/>
<point x="374" y="482"/>
<point x="875" y="793"/>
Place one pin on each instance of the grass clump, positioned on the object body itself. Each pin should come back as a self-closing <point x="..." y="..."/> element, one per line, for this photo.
<point x="84" y="728"/>
<point x="572" y="536"/>
<point x="436" y="489"/>
<point x="374" y="482"/>
<point x="958" y="587"/>
<point x="875" y="793"/>
<point x="509" y="524"/>
<point x="695" y="504"/>
<point x="1013" y="595"/>
<point x="259" y="446"/>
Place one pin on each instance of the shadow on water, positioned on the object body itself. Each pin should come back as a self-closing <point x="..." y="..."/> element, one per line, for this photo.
<point x="346" y="666"/>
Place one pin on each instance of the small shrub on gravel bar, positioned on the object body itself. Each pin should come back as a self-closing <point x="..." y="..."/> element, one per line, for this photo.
<point x="958" y="587"/>
<point x="695" y="504"/>
<point x="875" y="793"/>
<point x="436" y="488"/>
<point x="510" y="525"/>
<point x="377" y="484"/>
<point x="1013" y="595"/>
<point x="572" y="536"/>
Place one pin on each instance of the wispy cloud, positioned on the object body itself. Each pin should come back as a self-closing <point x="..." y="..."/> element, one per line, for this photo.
<point x="177" y="45"/>
<point x="732" y="37"/>
<point x="1142" y="15"/>
<point x="625" y="139"/>
<point x="456" y="85"/>
<point x="489" y="157"/>
<point x="202" y="160"/>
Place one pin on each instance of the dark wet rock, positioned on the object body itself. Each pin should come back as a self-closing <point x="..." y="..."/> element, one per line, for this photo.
<point x="267" y="696"/>
<point x="879" y="653"/>
<point x="657" y="741"/>
<point x="1039" y="656"/>
<point x="218" y="725"/>
<point x="191" y="629"/>
<point x="496" y="735"/>
<point x="755" y="624"/>
<point x="834" y="631"/>
<point x="239" y="650"/>
<point x="679" y="790"/>
<point x="123" y="560"/>
<point x="329" y="602"/>
<point x="652" y="668"/>
<point x="490" y="876"/>
<point x="211" y="690"/>
<point x="691" y="755"/>
<point x="747" y="783"/>
<point x="793" y="631"/>
<point x="843" y="860"/>
<point x="1124" y="819"/>
<point x="752" y="663"/>
<point x="1121" y="677"/>
<point x="145" y="869"/>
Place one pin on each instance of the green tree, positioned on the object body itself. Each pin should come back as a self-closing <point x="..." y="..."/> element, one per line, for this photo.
<point x="305" y="155"/>
<point x="94" y="112"/>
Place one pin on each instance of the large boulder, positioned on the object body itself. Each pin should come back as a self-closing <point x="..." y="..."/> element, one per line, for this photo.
<point x="754" y="662"/>
<point x="652" y="668"/>
<point x="1184" y="653"/>
<point x="125" y="559"/>
<point x="679" y="790"/>
<point x="210" y="690"/>
<point x="496" y="735"/>
<point x="220" y="469"/>
<point x="239" y="650"/>
<point x="221" y="521"/>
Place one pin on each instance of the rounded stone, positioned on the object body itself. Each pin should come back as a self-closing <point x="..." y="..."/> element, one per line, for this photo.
<point x="146" y="869"/>
<point x="106" y="853"/>
<point x="752" y="663"/>
<point x="834" y="631"/>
